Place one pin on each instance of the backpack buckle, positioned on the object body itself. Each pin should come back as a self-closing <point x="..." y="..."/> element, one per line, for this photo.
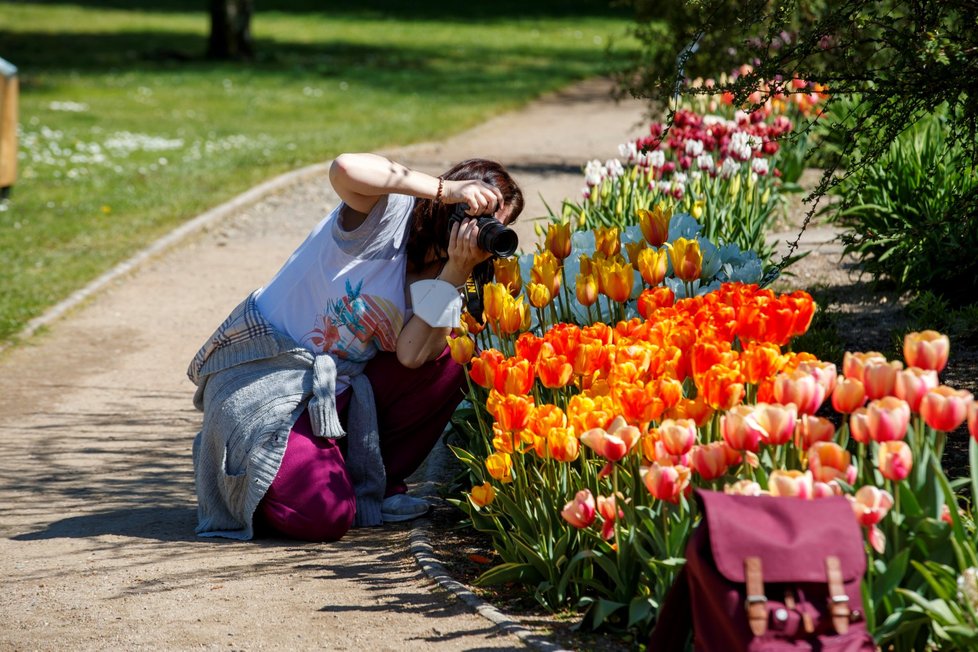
<point x="756" y="601"/>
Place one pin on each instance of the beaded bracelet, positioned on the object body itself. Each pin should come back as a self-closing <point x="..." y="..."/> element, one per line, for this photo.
<point x="441" y="183"/>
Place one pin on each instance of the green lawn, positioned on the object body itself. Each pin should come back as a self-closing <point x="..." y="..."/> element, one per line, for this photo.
<point x="126" y="131"/>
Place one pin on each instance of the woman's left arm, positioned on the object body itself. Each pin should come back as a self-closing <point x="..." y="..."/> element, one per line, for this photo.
<point x="419" y="342"/>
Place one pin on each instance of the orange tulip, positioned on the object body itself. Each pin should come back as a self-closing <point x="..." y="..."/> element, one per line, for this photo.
<point x="791" y="484"/>
<point x="587" y="289"/>
<point x="507" y="274"/>
<point x="511" y="411"/>
<point x="513" y="376"/>
<point x="762" y="360"/>
<point x="483" y="371"/>
<point x="504" y="441"/>
<point x="854" y="363"/>
<point x="973" y="420"/>
<point x="744" y="488"/>
<point x="563" y="445"/>
<point x="580" y="512"/>
<point x="587" y="412"/>
<point x="613" y="443"/>
<point x="545" y="418"/>
<point x="828" y="461"/>
<point x="461" y="348"/>
<point x="809" y="430"/>
<point x="849" y="395"/>
<point x="926" y="349"/>
<point x="500" y="466"/>
<point x="879" y="378"/>
<point x="554" y="371"/>
<point x="653" y="299"/>
<point x="637" y="403"/>
<point x="653" y="264"/>
<point x="482" y="495"/>
<point x="695" y="409"/>
<point x="895" y="460"/>
<point x="607" y="240"/>
<point x="912" y="383"/>
<point x="471" y="325"/>
<point x="709" y="460"/>
<point x="801" y="388"/>
<point x="887" y="419"/>
<point x="655" y="224"/>
<point x="735" y="431"/>
<point x="687" y="259"/>
<point x="677" y="436"/>
<point x="559" y="240"/>
<point x="588" y="358"/>
<point x="944" y="408"/>
<point x="721" y="387"/>
<point x="528" y="347"/>
<point x="617" y="280"/>
<point x="493" y="297"/>
<point x="859" y="425"/>
<point x="666" y="482"/>
<point x="539" y="295"/>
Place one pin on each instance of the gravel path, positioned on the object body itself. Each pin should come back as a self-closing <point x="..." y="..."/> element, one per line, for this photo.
<point x="96" y="503"/>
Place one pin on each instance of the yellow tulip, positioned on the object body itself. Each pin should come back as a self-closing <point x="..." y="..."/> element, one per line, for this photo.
<point x="514" y="316"/>
<point x="492" y="301"/>
<point x="587" y="265"/>
<point x="539" y="294"/>
<point x="617" y="279"/>
<point x="687" y="259"/>
<point x="559" y="240"/>
<point x="482" y="495"/>
<point x="653" y="265"/>
<point x="734" y="186"/>
<point x="461" y="348"/>
<point x="507" y="273"/>
<point x="698" y="207"/>
<point x="607" y="240"/>
<point x="587" y="289"/>
<point x="655" y="224"/>
<point x="500" y="466"/>
<point x="546" y="270"/>
<point x="633" y="249"/>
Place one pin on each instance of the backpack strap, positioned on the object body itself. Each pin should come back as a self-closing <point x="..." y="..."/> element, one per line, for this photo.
<point x="756" y="602"/>
<point x="838" y="600"/>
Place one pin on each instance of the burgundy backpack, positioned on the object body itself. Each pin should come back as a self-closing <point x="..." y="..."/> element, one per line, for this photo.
<point x="766" y="574"/>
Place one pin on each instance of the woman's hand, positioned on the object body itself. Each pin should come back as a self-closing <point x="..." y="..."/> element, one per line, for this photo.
<point x="481" y="197"/>
<point x="464" y="252"/>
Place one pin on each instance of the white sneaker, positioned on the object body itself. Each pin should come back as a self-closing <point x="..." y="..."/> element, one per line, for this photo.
<point x="402" y="507"/>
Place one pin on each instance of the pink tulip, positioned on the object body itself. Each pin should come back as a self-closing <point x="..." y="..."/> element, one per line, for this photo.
<point x="609" y="513"/>
<point x="580" y="512"/>
<point x="879" y="378"/>
<point x="791" y="484"/>
<point x="677" y="435"/>
<point x="912" y="383"/>
<point x="849" y="395"/>
<point x="828" y="461"/>
<point x="887" y="419"/>
<point x="870" y="505"/>
<point x="800" y="388"/>
<point x="613" y="443"/>
<point x="666" y="482"/>
<point x="853" y="363"/>
<point x="709" y="460"/>
<point x="733" y="426"/>
<point x="827" y="489"/>
<point x="744" y="488"/>
<point x="810" y="430"/>
<point x="774" y="423"/>
<point x="926" y="349"/>
<point x="973" y="420"/>
<point x="944" y="408"/>
<point x="895" y="460"/>
<point x="859" y="425"/>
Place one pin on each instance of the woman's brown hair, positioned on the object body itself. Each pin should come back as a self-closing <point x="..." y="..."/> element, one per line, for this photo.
<point x="429" y="225"/>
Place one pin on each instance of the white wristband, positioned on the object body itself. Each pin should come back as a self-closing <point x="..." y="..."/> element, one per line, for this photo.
<point x="438" y="303"/>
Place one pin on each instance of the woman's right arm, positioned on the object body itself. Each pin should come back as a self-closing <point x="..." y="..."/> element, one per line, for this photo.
<point x="361" y="179"/>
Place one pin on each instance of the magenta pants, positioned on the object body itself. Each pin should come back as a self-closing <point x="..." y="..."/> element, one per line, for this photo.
<point x="312" y="497"/>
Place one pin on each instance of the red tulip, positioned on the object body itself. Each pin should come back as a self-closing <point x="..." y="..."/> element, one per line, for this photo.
<point x="973" y="420"/>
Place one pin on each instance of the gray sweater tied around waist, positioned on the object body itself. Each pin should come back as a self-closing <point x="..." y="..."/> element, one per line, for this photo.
<point x="252" y="384"/>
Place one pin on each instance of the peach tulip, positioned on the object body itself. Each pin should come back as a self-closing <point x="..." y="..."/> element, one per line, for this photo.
<point x="500" y="466"/>
<point x="887" y="419"/>
<point x="580" y="512"/>
<point x="825" y="373"/>
<point x="912" y="383"/>
<point x="828" y="461"/>
<point x="482" y="495"/>
<point x="879" y="378"/>
<point x="854" y="363"/>
<point x="709" y="460"/>
<point x="801" y="388"/>
<point x="461" y="348"/>
<point x="945" y="408"/>
<point x="926" y="349"/>
<point x="655" y="224"/>
<point x="827" y="489"/>
<point x="559" y="240"/>
<point x="859" y="425"/>
<point x="610" y="512"/>
<point x="677" y="436"/>
<point x="733" y="426"/>
<point x="870" y="505"/>
<point x="810" y="430"/>
<point x="653" y="264"/>
<point x="791" y="484"/>
<point x="775" y="423"/>
<point x="507" y="273"/>
<point x="849" y="395"/>
<point x="613" y="443"/>
<point x="744" y="488"/>
<point x="895" y="460"/>
<point x="666" y="482"/>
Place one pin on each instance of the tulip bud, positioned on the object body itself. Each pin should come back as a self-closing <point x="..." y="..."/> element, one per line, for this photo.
<point x="587" y="289"/>
<point x="944" y="408"/>
<point x="655" y="224"/>
<point x="895" y="460"/>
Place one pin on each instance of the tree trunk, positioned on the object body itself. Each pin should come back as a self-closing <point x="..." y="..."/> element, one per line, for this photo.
<point x="230" y="30"/>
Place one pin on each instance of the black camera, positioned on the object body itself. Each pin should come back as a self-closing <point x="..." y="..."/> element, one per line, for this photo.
<point x="494" y="236"/>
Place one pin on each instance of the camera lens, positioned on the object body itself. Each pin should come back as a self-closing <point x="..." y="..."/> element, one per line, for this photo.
<point x="497" y="238"/>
